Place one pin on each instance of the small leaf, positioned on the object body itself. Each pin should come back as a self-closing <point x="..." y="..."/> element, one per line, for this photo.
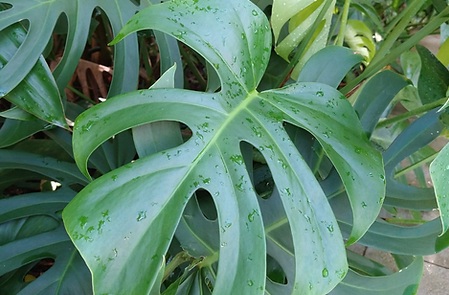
<point x="434" y="77"/>
<point x="403" y="282"/>
<point x="375" y="96"/>
<point x="329" y="65"/>
<point x="416" y="136"/>
<point x="439" y="172"/>
<point x="360" y="38"/>
<point x="13" y="131"/>
<point x="301" y="16"/>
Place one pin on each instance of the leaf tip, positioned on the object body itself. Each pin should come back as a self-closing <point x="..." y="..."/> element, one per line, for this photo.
<point x="117" y="39"/>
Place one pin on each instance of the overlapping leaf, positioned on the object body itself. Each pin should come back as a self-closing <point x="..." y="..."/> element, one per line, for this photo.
<point x="301" y="17"/>
<point x="439" y="171"/>
<point x="123" y="222"/>
<point x="37" y="93"/>
<point x="30" y="230"/>
<point x="42" y="18"/>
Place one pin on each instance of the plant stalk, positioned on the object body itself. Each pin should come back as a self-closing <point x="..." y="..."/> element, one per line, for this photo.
<point x="379" y="63"/>
<point x="415" y="165"/>
<point x="343" y="23"/>
<point x="412" y="113"/>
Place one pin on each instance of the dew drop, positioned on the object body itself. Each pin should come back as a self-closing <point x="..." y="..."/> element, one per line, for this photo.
<point x="83" y="221"/>
<point x="319" y="93"/>
<point x="325" y="273"/>
<point x="141" y="216"/>
<point x="237" y="159"/>
<point x="357" y="150"/>
<point x="250" y="283"/>
<point x="364" y="205"/>
<point x="86" y="127"/>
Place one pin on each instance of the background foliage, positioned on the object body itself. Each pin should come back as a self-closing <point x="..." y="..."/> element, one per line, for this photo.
<point x="206" y="169"/>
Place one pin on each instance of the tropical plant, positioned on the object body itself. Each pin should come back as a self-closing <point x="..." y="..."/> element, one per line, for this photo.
<point x="255" y="182"/>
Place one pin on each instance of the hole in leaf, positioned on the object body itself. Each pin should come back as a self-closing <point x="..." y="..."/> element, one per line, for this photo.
<point x="195" y="72"/>
<point x="186" y="132"/>
<point x="38" y="269"/>
<point x="311" y="150"/>
<point x="275" y="272"/>
<point x="5" y="6"/>
<point x="206" y="204"/>
<point x="150" y="69"/>
<point x="57" y="44"/>
<point x="258" y="170"/>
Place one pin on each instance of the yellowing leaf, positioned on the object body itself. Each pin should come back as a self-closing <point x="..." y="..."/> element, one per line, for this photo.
<point x="300" y="16"/>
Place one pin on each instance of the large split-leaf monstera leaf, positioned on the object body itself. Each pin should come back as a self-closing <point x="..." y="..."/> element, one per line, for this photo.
<point x="123" y="222"/>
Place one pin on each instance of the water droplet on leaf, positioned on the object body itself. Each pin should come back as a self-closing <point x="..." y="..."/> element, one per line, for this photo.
<point x="141" y="216"/>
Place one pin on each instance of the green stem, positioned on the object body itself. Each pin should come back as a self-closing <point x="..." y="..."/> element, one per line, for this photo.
<point x="193" y="67"/>
<point x="399" y="29"/>
<point x="146" y="59"/>
<point x="179" y="259"/>
<point x="412" y="113"/>
<point x="416" y="165"/>
<point x="320" y="155"/>
<point x="401" y="221"/>
<point x="379" y="63"/>
<point x="343" y="23"/>
<point x="80" y="94"/>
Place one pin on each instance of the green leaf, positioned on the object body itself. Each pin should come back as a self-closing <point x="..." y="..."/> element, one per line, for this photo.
<point x="422" y="239"/>
<point x="301" y="16"/>
<point x="329" y="65"/>
<point x="17" y="114"/>
<point x="439" y="172"/>
<point x="411" y="65"/>
<point x="58" y="170"/>
<point x="433" y="80"/>
<point x="403" y="282"/>
<point x="36" y="93"/>
<point x="146" y="137"/>
<point x="375" y="97"/>
<point x="442" y="54"/>
<point x="42" y="18"/>
<point x="13" y="131"/>
<point x="140" y="205"/>
<point x="30" y="230"/>
<point x="419" y="134"/>
<point x="360" y="38"/>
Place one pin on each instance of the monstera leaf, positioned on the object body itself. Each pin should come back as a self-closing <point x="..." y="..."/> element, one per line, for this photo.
<point x="123" y="222"/>
<point x="43" y="17"/>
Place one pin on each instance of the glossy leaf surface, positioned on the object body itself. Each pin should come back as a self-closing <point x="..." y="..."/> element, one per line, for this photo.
<point x="300" y="17"/>
<point x="30" y="230"/>
<point x="123" y="222"/>
<point x="42" y="18"/>
<point x="37" y="93"/>
<point x="439" y="171"/>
